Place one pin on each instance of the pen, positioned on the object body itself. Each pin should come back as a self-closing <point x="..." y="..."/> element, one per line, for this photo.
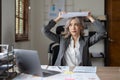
<point x="59" y="68"/>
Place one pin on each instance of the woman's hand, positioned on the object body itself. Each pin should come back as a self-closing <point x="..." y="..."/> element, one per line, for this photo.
<point x="59" y="16"/>
<point x="90" y="17"/>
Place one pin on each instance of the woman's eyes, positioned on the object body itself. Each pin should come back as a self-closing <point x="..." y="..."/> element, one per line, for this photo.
<point x="74" y="24"/>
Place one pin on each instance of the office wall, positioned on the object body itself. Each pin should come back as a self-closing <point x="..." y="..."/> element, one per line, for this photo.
<point x="7" y="21"/>
<point x="95" y="6"/>
<point x="37" y="20"/>
<point x="8" y="25"/>
<point x="37" y="41"/>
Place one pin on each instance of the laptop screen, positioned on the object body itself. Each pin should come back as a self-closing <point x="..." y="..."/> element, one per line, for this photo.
<point x="28" y="61"/>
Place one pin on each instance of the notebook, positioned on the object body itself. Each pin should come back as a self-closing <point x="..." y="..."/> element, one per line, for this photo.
<point x="28" y="62"/>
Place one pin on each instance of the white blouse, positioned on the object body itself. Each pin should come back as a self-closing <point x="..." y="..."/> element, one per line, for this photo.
<point x="72" y="56"/>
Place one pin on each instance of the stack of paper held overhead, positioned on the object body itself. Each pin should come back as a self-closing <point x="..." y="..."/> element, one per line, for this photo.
<point x="74" y="14"/>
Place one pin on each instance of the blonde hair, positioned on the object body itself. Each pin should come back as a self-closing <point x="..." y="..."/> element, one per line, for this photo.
<point x="79" y="20"/>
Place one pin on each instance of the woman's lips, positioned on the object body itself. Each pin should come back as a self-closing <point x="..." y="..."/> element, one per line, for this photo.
<point x="74" y="31"/>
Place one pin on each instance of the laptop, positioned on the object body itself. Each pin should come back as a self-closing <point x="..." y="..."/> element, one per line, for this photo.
<point x="28" y="62"/>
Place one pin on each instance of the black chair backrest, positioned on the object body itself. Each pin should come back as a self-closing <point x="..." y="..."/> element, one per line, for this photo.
<point x="54" y="47"/>
<point x="55" y="51"/>
<point x="59" y="29"/>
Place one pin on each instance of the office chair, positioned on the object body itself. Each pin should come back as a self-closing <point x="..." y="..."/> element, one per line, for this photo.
<point x="54" y="47"/>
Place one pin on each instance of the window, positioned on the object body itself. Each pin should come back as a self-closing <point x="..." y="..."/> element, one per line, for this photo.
<point x="22" y="23"/>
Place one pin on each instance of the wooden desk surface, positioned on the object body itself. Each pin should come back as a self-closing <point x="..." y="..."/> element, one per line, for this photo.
<point x="108" y="73"/>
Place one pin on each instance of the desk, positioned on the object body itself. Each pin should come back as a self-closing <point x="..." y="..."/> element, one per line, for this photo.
<point x="108" y="73"/>
<point x="104" y="73"/>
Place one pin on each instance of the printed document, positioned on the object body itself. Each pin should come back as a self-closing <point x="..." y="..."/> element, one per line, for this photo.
<point x="85" y="69"/>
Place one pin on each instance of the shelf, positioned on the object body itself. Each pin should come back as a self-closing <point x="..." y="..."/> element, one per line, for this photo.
<point x="7" y="63"/>
<point x="8" y="76"/>
<point x="6" y="59"/>
<point x="5" y="67"/>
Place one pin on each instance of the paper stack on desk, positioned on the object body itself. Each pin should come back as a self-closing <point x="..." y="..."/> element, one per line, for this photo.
<point x="2" y="55"/>
<point x="75" y="14"/>
<point x="85" y="69"/>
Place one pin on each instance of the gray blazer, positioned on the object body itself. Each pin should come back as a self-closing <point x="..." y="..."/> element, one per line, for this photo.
<point x="85" y="42"/>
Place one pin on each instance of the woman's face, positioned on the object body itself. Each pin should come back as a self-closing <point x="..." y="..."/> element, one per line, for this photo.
<point x="75" y="27"/>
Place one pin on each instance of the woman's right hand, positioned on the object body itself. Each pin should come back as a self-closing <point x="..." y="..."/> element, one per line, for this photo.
<point x="59" y="17"/>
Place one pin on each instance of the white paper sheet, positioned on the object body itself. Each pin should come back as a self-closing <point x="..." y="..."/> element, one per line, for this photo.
<point x="44" y="66"/>
<point x="85" y="69"/>
<point x="74" y="14"/>
<point x="23" y="76"/>
<point x="58" y="68"/>
<point x="2" y="55"/>
<point x="74" y="76"/>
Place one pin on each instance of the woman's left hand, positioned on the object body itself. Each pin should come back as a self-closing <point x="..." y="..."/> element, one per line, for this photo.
<point x="90" y="17"/>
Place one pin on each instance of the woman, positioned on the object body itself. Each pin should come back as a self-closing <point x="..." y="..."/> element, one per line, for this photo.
<point x="74" y="46"/>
